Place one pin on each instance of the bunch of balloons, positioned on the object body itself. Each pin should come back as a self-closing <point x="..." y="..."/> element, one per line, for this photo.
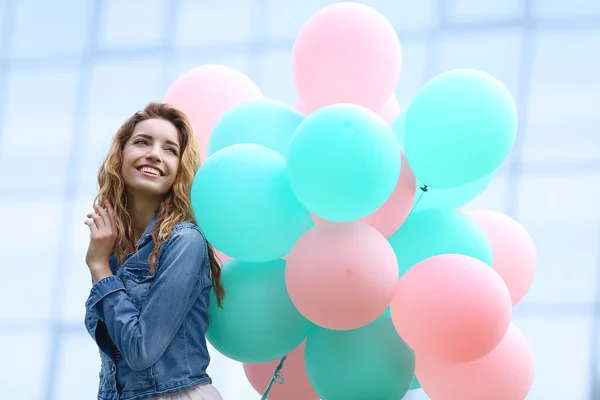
<point x="340" y="221"/>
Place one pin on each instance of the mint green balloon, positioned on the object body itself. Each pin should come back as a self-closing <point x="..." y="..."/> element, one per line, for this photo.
<point x="398" y="128"/>
<point x="459" y="128"/>
<point x="258" y="322"/>
<point x="433" y="232"/>
<point x="451" y="198"/>
<point x="267" y="122"/>
<point x="415" y="384"/>
<point x="343" y="162"/>
<point x="371" y="362"/>
<point x="245" y="206"/>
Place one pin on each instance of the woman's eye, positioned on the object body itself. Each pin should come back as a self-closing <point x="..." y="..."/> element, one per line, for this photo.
<point x="172" y="151"/>
<point x="141" y="141"/>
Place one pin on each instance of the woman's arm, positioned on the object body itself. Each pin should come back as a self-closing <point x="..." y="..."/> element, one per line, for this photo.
<point x="143" y="335"/>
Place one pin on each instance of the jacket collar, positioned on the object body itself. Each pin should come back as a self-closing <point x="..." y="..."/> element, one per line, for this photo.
<point x="148" y="232"/>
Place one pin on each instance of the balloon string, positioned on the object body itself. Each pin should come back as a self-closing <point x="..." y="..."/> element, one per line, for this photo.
<point x="423" y="190"/>
<point x="277" y="378"/>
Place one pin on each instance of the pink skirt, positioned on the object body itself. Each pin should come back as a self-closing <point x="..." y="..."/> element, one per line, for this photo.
<point x="202" y="392"/>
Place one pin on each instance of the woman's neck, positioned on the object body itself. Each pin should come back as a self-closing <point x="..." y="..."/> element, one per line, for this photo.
<point x="141" y="214"/>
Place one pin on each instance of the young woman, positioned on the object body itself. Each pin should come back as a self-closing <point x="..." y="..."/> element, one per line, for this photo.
<point x="152" y="269"/>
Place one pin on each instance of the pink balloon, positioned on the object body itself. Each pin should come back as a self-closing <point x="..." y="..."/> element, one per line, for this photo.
<point x="295" y="386"/>
<point x="301" y="108"/>
<point x="389" y="112"/>
<point x="205" y="93"/>
<point x="392" y="214"/>
<point x="506" y="373"/>
<point x="346" y="53"/>
<point x="222" y="256"/>
<point x="513" y="250"/>
<point x="451" y="307"/>
<point x="341" y="275"/>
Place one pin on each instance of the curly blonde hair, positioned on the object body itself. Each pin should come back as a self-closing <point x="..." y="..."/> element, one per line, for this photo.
<point x="176" y="206"/>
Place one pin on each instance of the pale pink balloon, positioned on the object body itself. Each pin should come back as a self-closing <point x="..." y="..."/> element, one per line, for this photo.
<point x="205" y="93"/>
<point x="513" y="250"/>
<point x="341" y="275"/>
<point x="295" y="386"/>
<point x="222" y="256"/>
<point x="301" y="108"/>
<point x="346" y="53"/>
<point x="392" y="214"/>
<point x="389" y="112"/>
<point x="451" y="307"/>
<point x="506" y="373"/>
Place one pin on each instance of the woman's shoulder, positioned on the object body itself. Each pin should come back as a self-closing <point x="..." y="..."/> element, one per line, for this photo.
<point x="187" y="232"/>
<point x="187" y="229"/>
<point x="184" y="236"/>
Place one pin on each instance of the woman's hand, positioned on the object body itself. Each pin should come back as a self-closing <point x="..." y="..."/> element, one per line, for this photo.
<point x="103" y="235"/>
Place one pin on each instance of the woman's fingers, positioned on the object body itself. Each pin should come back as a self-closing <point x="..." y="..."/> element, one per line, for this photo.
<point x="97" y="220"/>
<point x="91" y="224"/>
<point x="111" y="213"/>
<point x="105" y="217"/>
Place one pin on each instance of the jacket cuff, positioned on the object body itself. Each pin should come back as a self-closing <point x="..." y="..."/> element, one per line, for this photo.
<point x="102" y="288"/>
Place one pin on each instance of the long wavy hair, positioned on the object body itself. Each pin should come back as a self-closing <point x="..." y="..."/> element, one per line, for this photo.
<point x="176" y="207"/>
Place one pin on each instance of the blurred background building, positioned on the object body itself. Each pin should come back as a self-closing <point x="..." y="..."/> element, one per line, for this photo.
<point x="71" y="71"/>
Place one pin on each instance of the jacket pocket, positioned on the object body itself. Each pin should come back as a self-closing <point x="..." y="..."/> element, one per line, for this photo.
<point x="137" y="280"/>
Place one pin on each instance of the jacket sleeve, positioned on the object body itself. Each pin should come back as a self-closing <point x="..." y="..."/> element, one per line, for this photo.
<point x="142" y="336"/>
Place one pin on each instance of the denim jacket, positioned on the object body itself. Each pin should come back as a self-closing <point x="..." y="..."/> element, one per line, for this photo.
<point x="150" y="328"/>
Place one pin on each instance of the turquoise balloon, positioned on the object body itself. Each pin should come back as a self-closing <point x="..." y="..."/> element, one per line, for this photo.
<point x="371" y="362"/>
<point x="442" y="198"/>
<point x="398" y="128"/>
<point x="433" y="232"/>
<point x="459" y="128"/>
<point x="343" y="162"/>
<point x="415" y="384"/>
<point x="452" y="198"/>
<point x="269" y="123"/>
<point x="245" y="206"/>
<point x="258" y="322"/>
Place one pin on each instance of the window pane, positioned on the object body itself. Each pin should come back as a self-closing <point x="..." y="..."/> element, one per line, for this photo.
<point x="285" y="18"/>
<point x="414" y="69"/>
<point x="565" y="229"/>
<point x="561" y="198"/>
<point x="407" y="14"/>
<point x="77" y="368"/>
<point x="16" y="366"/>
<point x="567" y="262"/>
<point x="51" y="28"/>
<point x="133" y="22"/>
<point x="38" y="128"/>
<point x="498" y="53"/>
<point x="4" y="22"/>
<point x="461" y="11"/>
<point x="561" y="347"/>
<point x="494" y="197"/>
<point x="77" y="281"/>
<point x="565" y="9"/>
<point x="214" y="22"/>
<point x="276" y="80"/>
<point x="119" y="89"/>
<point x="29" y="244"/>
<point x="562" y="115"/>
